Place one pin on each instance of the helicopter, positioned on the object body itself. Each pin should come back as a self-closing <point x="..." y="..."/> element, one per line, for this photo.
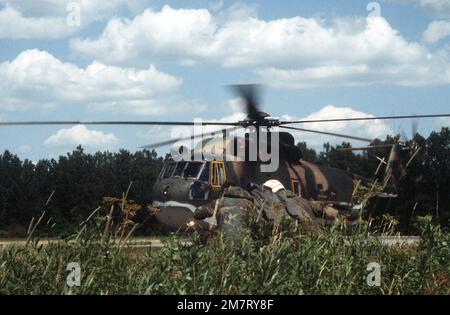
<point x="267" y="153"/>
<point x="186" y="183"/>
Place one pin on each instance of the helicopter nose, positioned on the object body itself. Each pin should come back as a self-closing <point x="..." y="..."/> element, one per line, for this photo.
<point x="165" y="194"/>
<point x="174" y="217"/>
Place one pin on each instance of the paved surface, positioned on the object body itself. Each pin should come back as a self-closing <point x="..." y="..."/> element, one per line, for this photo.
<point x="140" y="242"/>
<point x="399" y="240"/>
<point x="157" y="243"/>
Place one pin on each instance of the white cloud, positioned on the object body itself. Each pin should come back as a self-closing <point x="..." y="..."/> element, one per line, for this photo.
<point x="36" y="79"/>
<point x="14" y="25"/>
<point x="181" y="35"/>
<point x="436" y="31"/>
<point x="292" y="52"/>
<point x="235" y="105"/>
<point x="80" y="135"/>
<point x="48" y="18"/>
<point x="370" y="130"/>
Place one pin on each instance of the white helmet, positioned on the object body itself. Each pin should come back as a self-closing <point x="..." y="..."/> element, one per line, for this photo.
<point x="274" y="185"/>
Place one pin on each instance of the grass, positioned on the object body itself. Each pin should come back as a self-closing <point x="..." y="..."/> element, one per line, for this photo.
<point x="332" y="260"/>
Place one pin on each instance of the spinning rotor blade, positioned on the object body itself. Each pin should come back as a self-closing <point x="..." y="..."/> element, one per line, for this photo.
<point x="171" y="141"/>
<point x="249" y="93"/>
<point x="329" y="133"/>
<point x="414" y="128"/>
<point x="361" y="119"/>
<point x="160" y="123"/>
<point x="403" y="135"/>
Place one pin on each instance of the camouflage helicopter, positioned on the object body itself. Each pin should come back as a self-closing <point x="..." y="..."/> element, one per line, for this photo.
<point x="195" y="177"/>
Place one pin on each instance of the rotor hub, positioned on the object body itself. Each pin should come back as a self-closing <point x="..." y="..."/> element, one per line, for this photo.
<point x="263" y="122"/>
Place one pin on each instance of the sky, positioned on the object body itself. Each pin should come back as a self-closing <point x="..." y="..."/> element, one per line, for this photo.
<point x="173" y="60"/>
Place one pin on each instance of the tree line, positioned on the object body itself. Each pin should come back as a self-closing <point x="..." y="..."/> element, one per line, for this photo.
<point x="77" y="182"/>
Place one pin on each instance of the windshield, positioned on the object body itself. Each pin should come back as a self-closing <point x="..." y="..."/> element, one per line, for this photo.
<point x="193" y="169"/>
<point x="180" y="168"/>
<point x="204" y="176"/>
<point x="169" y="170"/>
<point x="186" y="169"/>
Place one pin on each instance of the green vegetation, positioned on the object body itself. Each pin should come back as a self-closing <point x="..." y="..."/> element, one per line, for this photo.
<point x="332" y="261"/>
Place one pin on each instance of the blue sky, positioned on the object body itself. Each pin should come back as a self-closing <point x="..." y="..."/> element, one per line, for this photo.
<point x="170" y="60"/>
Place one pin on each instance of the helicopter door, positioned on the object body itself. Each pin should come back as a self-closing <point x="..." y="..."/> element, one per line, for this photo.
<point x="296" y="187"/>
<point x="218" y="175"/>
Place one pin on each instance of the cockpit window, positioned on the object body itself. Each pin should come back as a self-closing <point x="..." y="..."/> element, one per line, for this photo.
<point x="192" y="169"/>
<point x="204" y="176"/>
<point x="169" y="170"/>
<point x="180" y="168"/>
<point x="186" y="169"/>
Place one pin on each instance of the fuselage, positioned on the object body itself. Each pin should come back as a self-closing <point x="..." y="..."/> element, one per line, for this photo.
<point x="183" y="186"/>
